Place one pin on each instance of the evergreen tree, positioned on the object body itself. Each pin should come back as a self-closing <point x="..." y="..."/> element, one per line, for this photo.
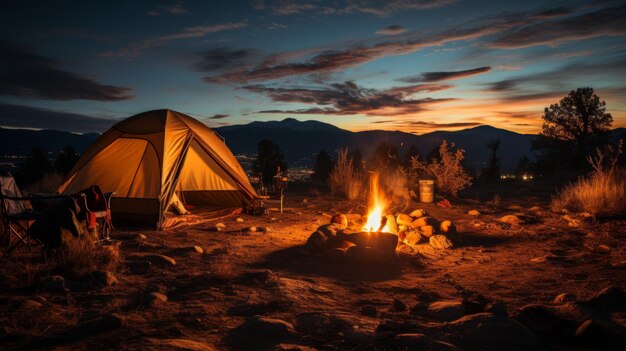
<point x="323" y="166"/>
<point x="269" y="158"/>
<point x="357" y="160"/>
<point x="492" y="172"/>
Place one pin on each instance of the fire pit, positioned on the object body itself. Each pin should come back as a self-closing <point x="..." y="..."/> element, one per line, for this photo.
<point x="379" y="236"/>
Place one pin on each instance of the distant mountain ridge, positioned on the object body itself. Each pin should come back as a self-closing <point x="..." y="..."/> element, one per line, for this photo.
<point x="301" y="140"/>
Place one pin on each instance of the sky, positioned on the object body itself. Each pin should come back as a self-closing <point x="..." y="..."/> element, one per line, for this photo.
<point x="410" y="65"/>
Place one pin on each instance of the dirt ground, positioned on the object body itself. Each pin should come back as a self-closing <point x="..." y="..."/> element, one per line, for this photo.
<point x="262" y="290"/>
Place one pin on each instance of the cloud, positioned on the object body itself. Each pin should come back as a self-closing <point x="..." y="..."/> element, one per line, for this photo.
<point x="218" y="116"/>
<point x="377" y="8"/>
<point x="431" y="124"/>
<point x="221" y="58"/>
<point x="330" y="60"/>
<point x="349" y="99"/>
<point x="20" y="116"/>
<point x="175" y="8"/>
<point x="275" y="26"/>
<point x="26" y="74"/>
<point x="604" y="22"/>
<point x="439" y="76"/>
<point x="386" y="8"/>
<point x="392" y="30"/>
<point x="134" y="49"/>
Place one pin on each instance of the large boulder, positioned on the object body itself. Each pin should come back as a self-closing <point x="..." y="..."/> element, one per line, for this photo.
<point x="260" y="331"/>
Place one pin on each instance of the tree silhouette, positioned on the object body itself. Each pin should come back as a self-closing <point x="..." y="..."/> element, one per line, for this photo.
<point x="323" y="166"/>
<point x="492" y="171"/>
<point x="523" y="165"/>
<point x="410" y="153"/>
<point x="66" y="160"/>
<point x="579" y="122"/>
<point x="269" y="157"/>
<point x="357" y="160"/>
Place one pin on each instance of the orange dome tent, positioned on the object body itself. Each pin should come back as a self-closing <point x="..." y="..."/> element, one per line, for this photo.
<point x="148" y="158"/>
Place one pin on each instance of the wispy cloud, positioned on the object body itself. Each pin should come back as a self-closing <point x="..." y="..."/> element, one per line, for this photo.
<point x="392" y="30"/>
<point x="350" y="99"/>
<point x="174" y="8"/>
<point x="134" y="49"/>
<point x="445" y="75"/>
<point x="377" y="8"/>
<point x="24" y="73"/>
<point x="218" y="116"/>
<point x="604" y="22"/>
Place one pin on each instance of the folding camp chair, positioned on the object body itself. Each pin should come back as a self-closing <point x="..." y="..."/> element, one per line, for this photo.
<point x="16" y="213"/>
<point x="98" y="211"/>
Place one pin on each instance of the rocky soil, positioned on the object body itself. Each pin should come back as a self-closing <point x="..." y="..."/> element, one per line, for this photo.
<point x="517" y="277"/>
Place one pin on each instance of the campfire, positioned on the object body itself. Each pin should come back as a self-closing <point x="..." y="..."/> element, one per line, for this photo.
<point x="378" y="234"/>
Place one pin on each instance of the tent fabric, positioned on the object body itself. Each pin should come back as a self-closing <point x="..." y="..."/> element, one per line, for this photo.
<point x="146" y="158"/>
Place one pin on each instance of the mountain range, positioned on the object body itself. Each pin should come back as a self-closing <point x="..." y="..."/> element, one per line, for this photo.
<point x="302" y="140"/>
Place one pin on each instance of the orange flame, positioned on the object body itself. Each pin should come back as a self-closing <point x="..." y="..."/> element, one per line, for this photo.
<point x="376" y="206"/>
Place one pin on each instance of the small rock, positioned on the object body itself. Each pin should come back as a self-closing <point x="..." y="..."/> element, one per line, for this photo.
<point x="155" y="259"/>
<point x="369" y="310"/>
<point x="447" y="227"/>
<point x="427" y="230"/>
<point x="497" y="308"/>
<point x="175" y="344"/>
<point x="339" y="219"/>
<point x="156" y="298"/>
<point x="511" y="219"/>
<point x="473" y="213"/>
<point x="535" y="208"/>
<point x="398" y="306"/>
<point x="220" y="225"/>
<point x="239" y="219"/>
<point x="590" y="330"/>
<point x="440" y="242"/>
<point x="572" y="222"/>
<point x="263" y="229"/>
<point x="447" y="311"/>
<point x="56" y="283"/>
<point x="424" y="221"/>
<point x="214" y="228"/>
<point x="30" y="305"/>
<point x="611" y="299"/>
<point x="305" y="201"/>
<point x="197" y="249"/>
<point x="564" y="298"/>
<point x="104" y="278"/>
<point x="251" y="229"/>
<point x="392" y="226"/>
<point x="418" y="213"/>
<point x="403" y="219"/>
<point x="412" y="237"/>
<point x="260" y="330"/>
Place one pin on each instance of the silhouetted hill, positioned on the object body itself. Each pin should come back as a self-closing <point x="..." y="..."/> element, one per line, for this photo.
<point x="21" y="141"/>
<point x="300" y="141"/>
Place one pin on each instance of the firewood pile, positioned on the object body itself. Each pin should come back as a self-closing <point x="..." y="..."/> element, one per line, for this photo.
<point x="407" y="233"/>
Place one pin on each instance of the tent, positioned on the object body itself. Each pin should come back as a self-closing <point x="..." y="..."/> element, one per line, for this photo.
<point x="155" y="157"/>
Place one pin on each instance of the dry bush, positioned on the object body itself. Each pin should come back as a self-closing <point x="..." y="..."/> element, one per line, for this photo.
<point x="447" y="170"/>
<point x="602" y="192"/>
<point x="49" y="183"/>
<point x="344" y="180"/>
<point x="78" y="257"/>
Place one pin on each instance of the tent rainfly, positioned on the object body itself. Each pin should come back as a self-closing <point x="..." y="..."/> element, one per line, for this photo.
<point x="150" y="157"/>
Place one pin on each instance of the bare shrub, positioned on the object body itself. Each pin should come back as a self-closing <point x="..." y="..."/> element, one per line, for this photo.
<point x="447" y="169"/>
<point x="344" y="180"/>
<point x="49" y="183"/>
<point x="602" y="192"/>
<point x="78" y="257"/>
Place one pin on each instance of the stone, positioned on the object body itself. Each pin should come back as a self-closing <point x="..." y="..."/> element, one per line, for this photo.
<point x="56" y="283"/>
<point x="473" y="213"/>
<point x="30" y="305"/>
<point x="398" y="306"/>
<point x="391" y="224"/>
<point x="220" y="225"/>
<point x="251" y="229"/>
<point x="440" y="242"/>
<point x="154" y="344"/>
<point x="511" y="219"/>
<point x="564" y="298"/>
<point x="369" y="310"/>
<point x="608" y="300"/>
<point x="156" y="298"/>
<point x="418" y="213"/>
<point x="239" y="219"/>
<point x="403" y="219"/>
<point x="590" y="331"/>
<point x="447" y="227"/>
<point x="535" y="208"/>
<point x="339" y="219"/>
<point x="214" y="228"/>
<point x="447" y="310"/>
<point x="197" y="249"/>
<point x="424" y="221"/>
<point x="427" y="230"/>
<point x="316" y="241"/>
<point x="486" y="331"/>
<point x="264" y="229"/>
<point x="156" y="259"/>
<point x="323" y="324"/>
<point x="544" y="321"/>
<point x="496" y="308"/>
<point x="330" y="230"/>
<point x="572" y="222"/>
<point x="104" y="278"/>
<point x="412" y="237"/>
<point x="258" y="331"/>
